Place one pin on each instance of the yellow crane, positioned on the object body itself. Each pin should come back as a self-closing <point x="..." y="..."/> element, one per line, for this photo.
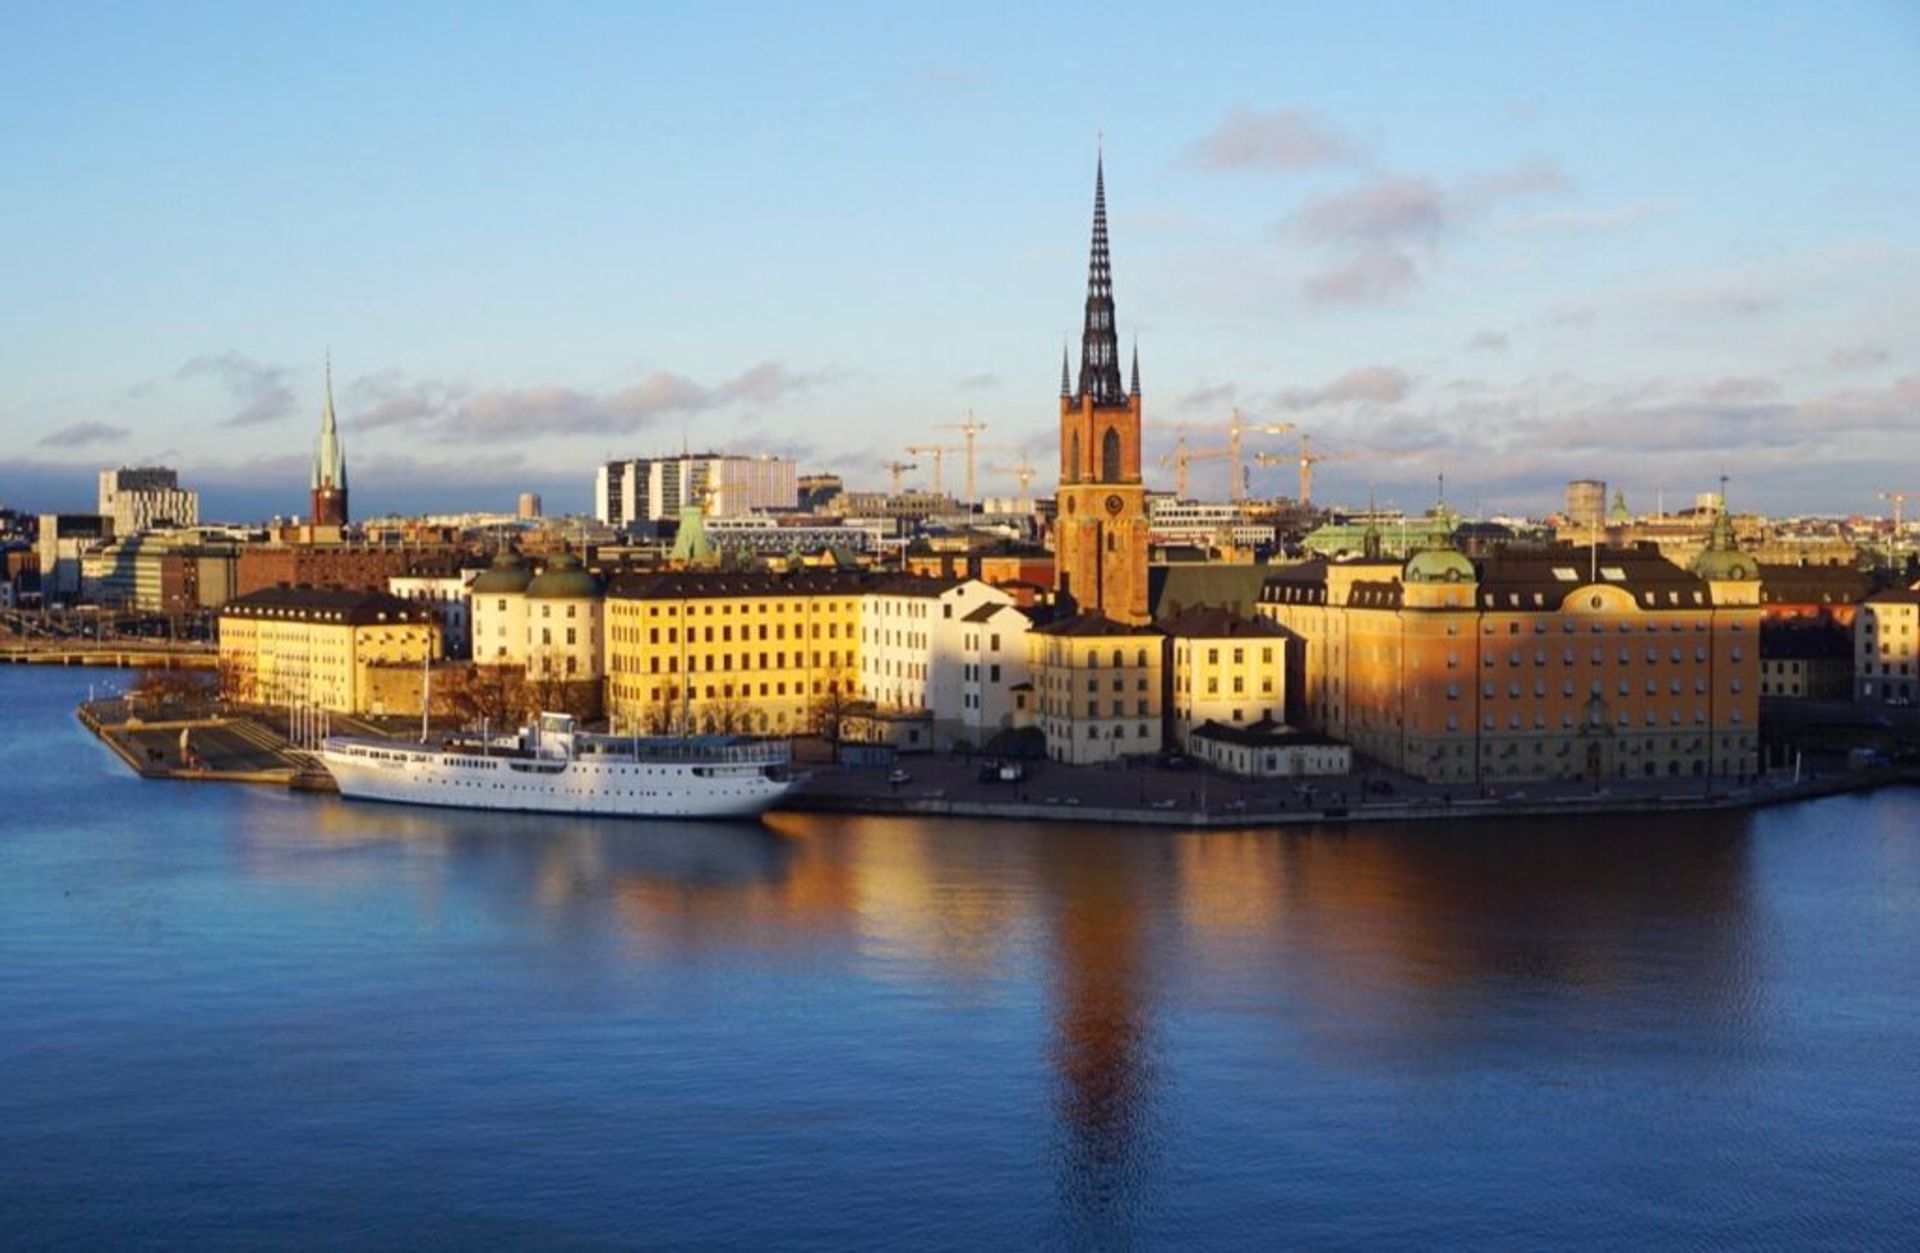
<point x="1182" y="457"/>
<point x="1238" y="428"/>
<point x="969" y="429"/>
<point x="938" y="454"/>
<point x="896" y="469"/>
<point x="1307" y="459"/>
<point x="1023" y="471"/>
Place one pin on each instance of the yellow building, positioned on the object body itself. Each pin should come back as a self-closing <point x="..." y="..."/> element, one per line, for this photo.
<point x="315" y="646"/>
<point x="1097" y="688"/>
<point x="1534" y="664"/>
<point x="1225" y="669"/>
<point x="755" y="653"/>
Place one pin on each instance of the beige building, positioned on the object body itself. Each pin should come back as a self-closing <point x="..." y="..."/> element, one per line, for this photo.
<point x="1886" y="641"/>
<point x="316" y="646"/>
<point x="1225" y="669"/>
<point x="1097" y="688"/>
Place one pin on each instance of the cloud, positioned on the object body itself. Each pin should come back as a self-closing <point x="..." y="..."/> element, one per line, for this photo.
<point x="1282" y="141"/>
<point x="1386" y="211"/>
<point x="82" y="434"/>
<point x="1368" y="384"/>
<point x="1372" y="230"/>
<point x="1209" y="396"/>
<point x="983" y="381"/>
<point x="1865" y="357"/>
<point x="261" y="390"/>
<point x="498" y="415"/>
<point x="1489" y="341"/>
<point x="1376" y="276"/>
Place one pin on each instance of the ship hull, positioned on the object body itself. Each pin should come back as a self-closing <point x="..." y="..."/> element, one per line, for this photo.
<point x="621" y="789"/>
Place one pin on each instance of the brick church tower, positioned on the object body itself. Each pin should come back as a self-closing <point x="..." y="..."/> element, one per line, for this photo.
<point x="329" y="497"/>
<point x="1100" y="544"/>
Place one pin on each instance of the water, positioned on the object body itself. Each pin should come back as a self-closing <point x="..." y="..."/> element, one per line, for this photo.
<point x="235" y="1017"/>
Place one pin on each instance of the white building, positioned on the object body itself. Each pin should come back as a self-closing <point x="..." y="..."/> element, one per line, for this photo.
<point x="149" y="496"/>
<point x="65" y="542"/>
<point x="946" y="653"/>
<point x="450" y="598"/>
<point x="1268" y="751"/>
<point x="652" y="489"/>
<point x="1886" y="648"/>
<point x="1202" y="522"/>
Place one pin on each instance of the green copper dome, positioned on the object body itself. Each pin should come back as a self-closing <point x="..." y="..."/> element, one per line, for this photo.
<point x="1439" y="565"/>
<point x="563" y="579"/>
<point x="508" y="575"/>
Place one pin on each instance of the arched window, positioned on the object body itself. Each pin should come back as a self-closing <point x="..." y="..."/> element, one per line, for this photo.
<point x="1110" y="456"/>
<point x="1073" y="460"/>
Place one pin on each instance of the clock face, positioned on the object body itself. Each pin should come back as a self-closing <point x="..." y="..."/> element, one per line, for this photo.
<point x="1115" y="504"/>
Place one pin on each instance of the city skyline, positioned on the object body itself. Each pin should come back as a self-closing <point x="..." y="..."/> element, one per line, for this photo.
<point x="1511" y="258"/>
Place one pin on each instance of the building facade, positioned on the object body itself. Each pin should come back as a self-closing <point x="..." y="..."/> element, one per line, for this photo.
<point x="1886" y="637"/>
<point x="708" y="650"/>
<point x="315" y="647"/>
<point x="950" y="649"/>
<point x="654" y="489"/>
<point x="1097" y="689"/>
<point x="1224" y="669"/>
<point x="1558" y="663"/>
<point x="146" y="497"/>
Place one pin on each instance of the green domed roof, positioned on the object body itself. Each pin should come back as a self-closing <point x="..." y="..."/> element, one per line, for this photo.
<point x="1439" y="565"/>
<point x="563" y="579"/>
<point x="1725" y="563"/>
<point x="506" y="576"/>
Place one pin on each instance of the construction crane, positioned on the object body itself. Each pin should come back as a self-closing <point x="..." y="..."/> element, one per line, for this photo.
<point x="1023" y="471"/>
<point x="1181" y="457"/>
<point x="1308" y="459"/>
<point x="1899" y="500"/>
<point x="896" y="469"/>
<point x="1238" y="428"/>
<point x="938" y="454"/>
<point x="969" y="429"/>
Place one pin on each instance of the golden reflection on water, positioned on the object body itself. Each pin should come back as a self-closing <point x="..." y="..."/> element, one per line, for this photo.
<point x="1376" y="947"/>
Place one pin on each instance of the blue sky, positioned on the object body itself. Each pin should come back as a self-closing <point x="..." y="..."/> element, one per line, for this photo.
<point x="1509" y="243"/>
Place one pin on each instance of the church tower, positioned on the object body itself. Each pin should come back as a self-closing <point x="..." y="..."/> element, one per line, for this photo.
<point x="1100" y="544"/>
<point x="329" y="468"/>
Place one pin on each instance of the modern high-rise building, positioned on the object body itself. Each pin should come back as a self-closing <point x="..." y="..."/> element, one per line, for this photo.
<point x="329" y="487"/>
<point x="147" y="497"/>
<point x="529" y="507"/>
<point x="653" y="489"/>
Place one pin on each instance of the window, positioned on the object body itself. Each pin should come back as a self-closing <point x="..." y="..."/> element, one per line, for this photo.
<point x="1110" y="456"/>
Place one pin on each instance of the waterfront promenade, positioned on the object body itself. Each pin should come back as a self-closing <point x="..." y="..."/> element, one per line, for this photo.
<point x="251" y="746"/>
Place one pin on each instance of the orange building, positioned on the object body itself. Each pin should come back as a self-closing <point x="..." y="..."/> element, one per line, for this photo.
<point x="1548" y="664"/>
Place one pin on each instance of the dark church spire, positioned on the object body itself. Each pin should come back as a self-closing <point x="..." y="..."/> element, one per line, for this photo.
<point x="1135" y="389"/>
<point x="1066" y="387"/>
<point x="1099" y="342"/>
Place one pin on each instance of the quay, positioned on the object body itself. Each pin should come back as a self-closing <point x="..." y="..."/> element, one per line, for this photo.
<point x="118" y="656"/>
<point x="249" y="747"/>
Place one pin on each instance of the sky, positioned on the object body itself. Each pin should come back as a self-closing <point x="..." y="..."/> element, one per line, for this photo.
<point x="1507" y="244"/>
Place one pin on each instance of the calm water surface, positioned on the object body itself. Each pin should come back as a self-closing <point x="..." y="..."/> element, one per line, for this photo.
<point x="237" y="1017"/>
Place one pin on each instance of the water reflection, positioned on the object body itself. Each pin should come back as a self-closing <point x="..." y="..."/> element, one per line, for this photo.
<point x="1374" y="951"/>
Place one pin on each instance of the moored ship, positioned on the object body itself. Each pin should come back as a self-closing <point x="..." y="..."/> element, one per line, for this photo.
<point x="553" y="767"/>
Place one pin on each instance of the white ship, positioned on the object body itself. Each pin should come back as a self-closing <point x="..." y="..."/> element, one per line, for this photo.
<point x="550" y="767"/>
